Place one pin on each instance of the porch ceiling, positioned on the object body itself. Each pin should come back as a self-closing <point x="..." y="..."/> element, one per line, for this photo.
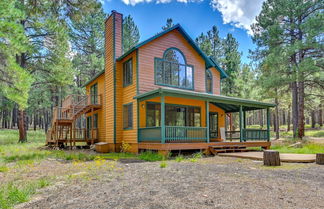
<point x="228" y="104"/>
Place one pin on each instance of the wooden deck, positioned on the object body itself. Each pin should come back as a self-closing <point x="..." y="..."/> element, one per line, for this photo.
<point x="199" y="145"/>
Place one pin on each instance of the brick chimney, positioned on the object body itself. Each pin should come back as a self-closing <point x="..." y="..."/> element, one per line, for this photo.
<point x="113" y="50"/>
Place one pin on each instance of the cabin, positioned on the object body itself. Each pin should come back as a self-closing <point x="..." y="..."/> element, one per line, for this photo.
<point x="163" y="94"/>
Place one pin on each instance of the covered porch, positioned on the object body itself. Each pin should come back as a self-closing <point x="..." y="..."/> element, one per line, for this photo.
<point x="171" y="119"/>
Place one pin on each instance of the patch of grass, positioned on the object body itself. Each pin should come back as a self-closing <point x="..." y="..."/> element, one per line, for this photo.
<point x="117" y="156"/>
<point x="151" y="156"/>
<point x="195" y="157"/>
<point x="305" y="149"/>
<point x="163" y="164"/>
<point x="315" y="133"/>
<point x="3" y="169"/>
<point x="10" y="136"/>
<point x="26" y="156"/>
<point x="14" y="193"/>
<point x="179" y="158"/>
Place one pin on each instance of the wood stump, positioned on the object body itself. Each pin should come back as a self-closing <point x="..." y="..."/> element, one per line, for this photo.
<point x="320" y="158"/>
<point x="271" y="158"/>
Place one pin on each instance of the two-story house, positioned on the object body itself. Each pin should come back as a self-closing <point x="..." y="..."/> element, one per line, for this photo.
<point x="163" y="94"/>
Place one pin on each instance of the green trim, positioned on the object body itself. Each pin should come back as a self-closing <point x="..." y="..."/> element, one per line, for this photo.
<point x="162" y="119"/>
<point x="173" y="86"/>
<point x="208" y="71"/>
<point x="137" y="73"/>
<point x="208" y="61"/>
<point x="129" y="60"/>
<point x="268" y="124"/>
<point x="132" y="127"/>
<point x="174" y="48"/>
<point x="94" y="78"/>
<point x="218" y="99"/>
<point x="240" y="123"/>
<point x="207" y="120"/>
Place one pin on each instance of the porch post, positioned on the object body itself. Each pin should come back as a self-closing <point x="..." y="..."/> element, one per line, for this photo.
<point x="244" y="119"/>
<point x="207" y="120"/>
<point x="241" y="125"/>
<point x="268" y="124"/>
<point x="162" y="119"/>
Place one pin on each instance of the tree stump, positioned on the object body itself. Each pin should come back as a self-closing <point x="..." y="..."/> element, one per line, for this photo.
<point x="320" y="158"/>
<point x="271" y="158"/>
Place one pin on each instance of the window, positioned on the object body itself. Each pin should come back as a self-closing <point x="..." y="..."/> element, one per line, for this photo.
<point x="95" y="121"/>
<point x="175" y="115"/>
<point x="209" y="81"/>
<point x="127" y="73"/>
<point x="172" y="70"/>
<point x="128" y="116"/>
<point x="153" y="115"/>
<point x="94" y="93"/>
<point x="213" y="125"/>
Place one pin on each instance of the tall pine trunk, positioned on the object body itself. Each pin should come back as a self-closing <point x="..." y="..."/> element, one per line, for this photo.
<point x="22" y="126"/>
<point x="313" y="118"/>
<point x="294" y="108"/>
<point x="277" y="115"/>
<point x="301" y="116"/>
<point x="288" y="119"/>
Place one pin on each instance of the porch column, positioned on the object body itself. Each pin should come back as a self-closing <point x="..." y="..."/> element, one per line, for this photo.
<point x="162" y="119"/>
<point x="240" y="122"/>
<point x="244" y="119"/>
<point x="268" y="124"/>
<point x="207" y="120"/>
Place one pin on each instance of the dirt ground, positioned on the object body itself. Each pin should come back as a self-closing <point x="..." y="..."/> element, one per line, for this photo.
<point x="214" y="182"/>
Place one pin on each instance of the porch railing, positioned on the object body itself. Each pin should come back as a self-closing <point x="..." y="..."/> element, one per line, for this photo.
<point x="173" y="134"/>
<point x="180" y="133"/>
<point x="255" y="134"/>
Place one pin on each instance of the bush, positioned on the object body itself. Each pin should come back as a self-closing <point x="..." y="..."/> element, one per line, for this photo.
<point x="179" y="158"/>
<point x="163" y="164"/>
<point x="151" y="156"/>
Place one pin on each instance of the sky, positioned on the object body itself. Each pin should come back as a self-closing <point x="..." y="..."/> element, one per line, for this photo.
<point x="195" y="16"/>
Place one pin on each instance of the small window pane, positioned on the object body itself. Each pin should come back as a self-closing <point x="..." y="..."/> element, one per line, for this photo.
<point x="127" y="73"/>
<point x="175" y="74"/>
<point x="209" y="82"/>
<point x="159" y="70"/>
<point x="189" y="77"/>
<point x="174" y="55"/>
<point x="128" y="116"/>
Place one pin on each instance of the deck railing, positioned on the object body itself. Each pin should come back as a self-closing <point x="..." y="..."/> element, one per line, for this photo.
<point x="173" y="134"/>
<point x="255" y="134"/>
<point x="81" y="100"/>
<point x="185" y="133"/>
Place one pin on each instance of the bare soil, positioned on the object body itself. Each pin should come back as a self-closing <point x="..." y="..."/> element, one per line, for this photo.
<point x="215" y="182"/>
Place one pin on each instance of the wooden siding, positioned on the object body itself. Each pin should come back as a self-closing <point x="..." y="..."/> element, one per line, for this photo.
<point x="125" y="95"/>
<point x="101" y="91"/>
<point x="216" y="80"/>
<point x="157" y="47"/>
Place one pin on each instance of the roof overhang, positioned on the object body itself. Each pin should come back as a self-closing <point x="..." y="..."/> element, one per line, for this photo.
<point x="228" y="104"/>
<point x="209" y="62"/>
<point x="94" y="78"/>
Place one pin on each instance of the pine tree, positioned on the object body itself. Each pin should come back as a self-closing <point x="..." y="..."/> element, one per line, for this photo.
<point x="168" y="25"/>
<point x="131" y="33"/>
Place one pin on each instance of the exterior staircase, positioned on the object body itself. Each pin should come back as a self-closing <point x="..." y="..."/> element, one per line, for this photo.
<point x="64" y="128"/>
<point x="215" y="149"/>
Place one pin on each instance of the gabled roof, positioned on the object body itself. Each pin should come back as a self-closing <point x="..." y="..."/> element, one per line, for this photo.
<point x="209" y="62"/>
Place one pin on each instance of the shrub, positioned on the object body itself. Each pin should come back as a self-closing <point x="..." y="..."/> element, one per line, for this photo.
<point x="125" y="147"/>
<point x="163" y="164"/>
<point x="179" y="158"/>
<point x="151" y="156"/>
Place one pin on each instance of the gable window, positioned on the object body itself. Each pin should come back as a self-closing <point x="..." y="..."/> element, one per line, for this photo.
<point x="128" y="116"/>
<point x="209" y="82"/>
<point x="127" y="73"/>
<point x="94" y="93"/>
<point x="172" y="70"/>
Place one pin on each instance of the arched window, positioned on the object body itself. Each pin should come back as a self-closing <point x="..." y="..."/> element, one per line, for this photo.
<point x="172" y="70"/>
<point x="209" y="81"/>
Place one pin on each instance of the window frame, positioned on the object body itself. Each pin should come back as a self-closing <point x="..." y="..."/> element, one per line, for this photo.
<point x="94" y="93"/>
<point x="163" y="78"/>
<point x="211" y="81"/>
<point x="130" y="117"/>
<point x="127" y="82"/>
<point x="187" y="112"/>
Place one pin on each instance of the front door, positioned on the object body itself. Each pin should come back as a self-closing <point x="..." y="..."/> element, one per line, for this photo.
<point x="213" y="125"/>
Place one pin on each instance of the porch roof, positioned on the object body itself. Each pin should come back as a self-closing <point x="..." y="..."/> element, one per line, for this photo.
<point x="228" y="104"/>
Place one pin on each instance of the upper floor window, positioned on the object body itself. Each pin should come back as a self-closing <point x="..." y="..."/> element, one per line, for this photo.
<point x="172" y="70"/>
<point x="127" y="73"/>
<point x="94" y="93"/>
<point x="209" y="81"/>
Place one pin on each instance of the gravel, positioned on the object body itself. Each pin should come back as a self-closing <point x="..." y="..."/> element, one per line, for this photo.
<point x="215" y="182"/>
